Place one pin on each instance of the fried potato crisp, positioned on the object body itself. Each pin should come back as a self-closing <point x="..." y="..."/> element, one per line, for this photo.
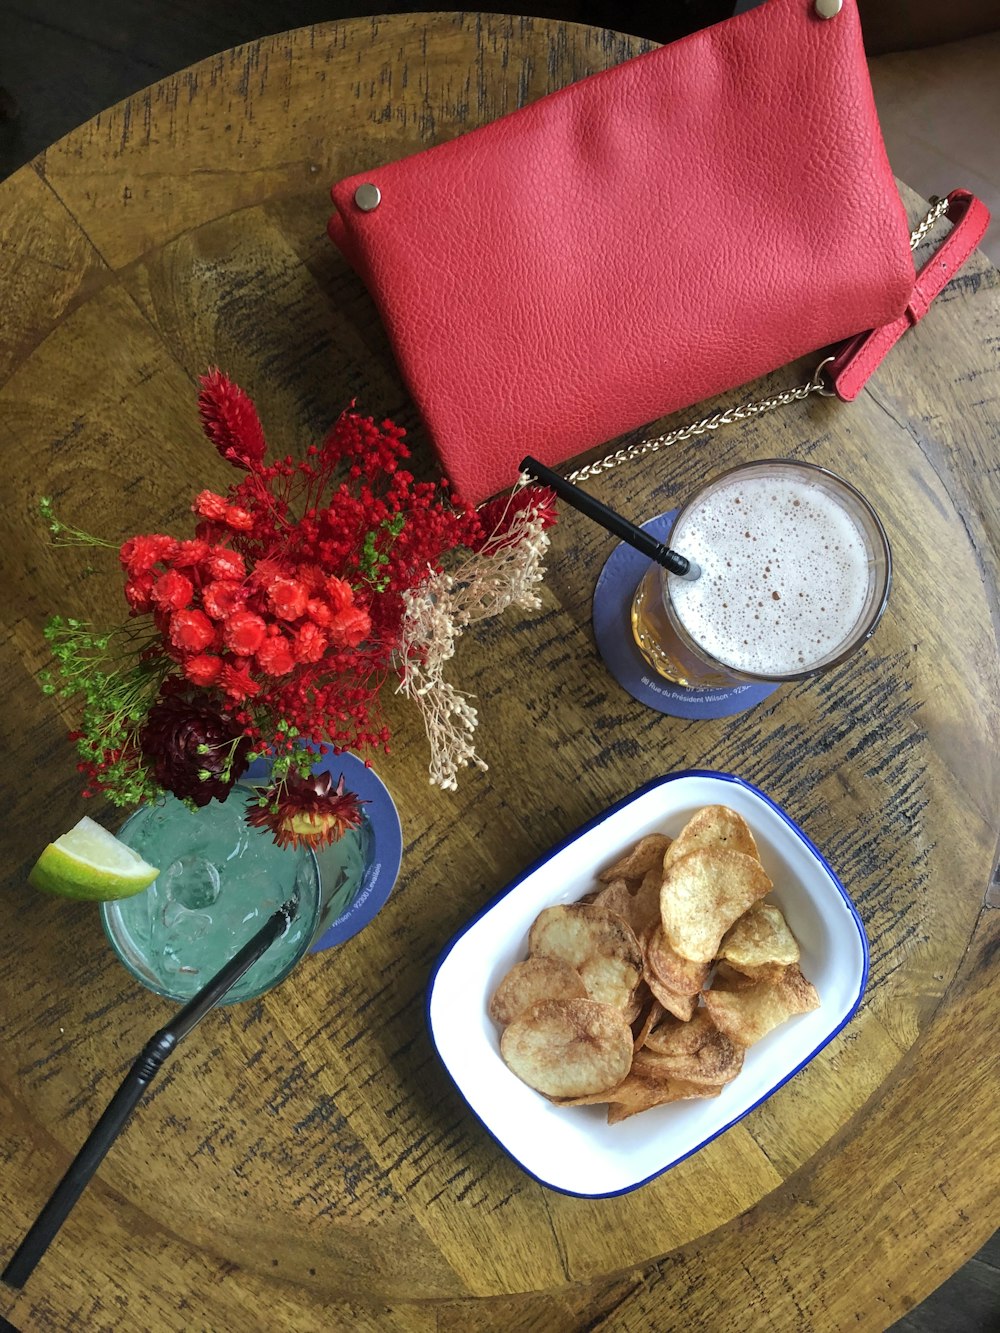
<point x="569" y="1048"/>
<point x="712" y="826"/>
<point x="681" y="1006"/>
<point x="597" y="942"/>
<point x="639" y="1093"/>
<point x="616" y="897"/>
<point x="716" y="1060"/>
<point x="759" y="937"/>
<point x="703" y="893"/>
<point x="679" y="974"/>
<point x="751" y="1013"/>
<point x="533" y="980"/>
<point x="647" y="854"/>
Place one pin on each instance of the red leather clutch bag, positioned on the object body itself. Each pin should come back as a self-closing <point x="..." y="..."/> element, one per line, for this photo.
<point x="639" y="241"/>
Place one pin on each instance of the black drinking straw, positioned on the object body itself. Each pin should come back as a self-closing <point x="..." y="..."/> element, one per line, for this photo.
<point x="121" y="1106"/>
<point x="615" y="523"/>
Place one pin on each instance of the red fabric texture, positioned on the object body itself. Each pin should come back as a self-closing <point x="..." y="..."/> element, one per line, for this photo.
<point x="635" y="243"/>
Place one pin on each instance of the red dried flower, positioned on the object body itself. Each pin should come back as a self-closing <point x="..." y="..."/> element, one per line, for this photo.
<point x="350" y="627"/>
<point x="172" y="591"/>
<point x="222" y="563"/>
<point x="137" y="593"/>
<point x="209" y="505"/>
<point x="339" y="593"/>
<point x="204" y="669"/>
<point x="244" y="632"/>
<point x="287" y="598"/>
<point x="274" y="657"/>
<point x="310" y="643"/>
<point x="222" y="598"/>
<point x="237" y="683"/>
<point x="230" y="421"/>
<point x="191" y="631"/>
<point x="307" y="810"/>
<point x="138" y="555"/>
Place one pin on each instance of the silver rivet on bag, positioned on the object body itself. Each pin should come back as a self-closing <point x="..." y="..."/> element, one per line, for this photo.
<point x="367" y="197"/>
<point x="829" y="9"/>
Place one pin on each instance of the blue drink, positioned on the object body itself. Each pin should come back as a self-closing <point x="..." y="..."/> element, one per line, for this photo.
<point x="219" y="881"/>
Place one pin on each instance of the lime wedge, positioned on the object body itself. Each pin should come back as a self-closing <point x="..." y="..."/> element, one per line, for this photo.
<point x="89" y="863"/>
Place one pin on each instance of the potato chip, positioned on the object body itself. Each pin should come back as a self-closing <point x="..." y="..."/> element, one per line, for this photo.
<point x="670" y="1036"/>
<point x="681" y="1006"/>
<point x="728" y="977"/>
<point x="598" y="943"/>
<point x="712" y="826"/>
<point x="645" y="905"/>
<point x="703" y="893"/>
<point x="716" y="1060"/>
<point x="638" y="1093"/>
<point x="759" y="937"/>
<point x="533" y="980"/>
<point x="568" y="1048"/>
<point x="751" y="1013"/>
<point x="616" y="897"/>
<point x="650" y="1014"/>
<point x="647" y="854"/>
<point x="679" y="974"/>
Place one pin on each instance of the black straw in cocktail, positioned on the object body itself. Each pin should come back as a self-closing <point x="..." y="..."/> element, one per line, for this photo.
<point x="121" y="1106"/>
<point x="621" y="527"/>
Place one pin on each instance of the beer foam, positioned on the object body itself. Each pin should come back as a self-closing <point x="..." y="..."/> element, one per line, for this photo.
<point x="784" y="574"/>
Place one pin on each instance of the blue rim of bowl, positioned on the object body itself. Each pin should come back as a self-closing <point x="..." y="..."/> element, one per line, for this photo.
<point x="380" y="877"/>
<point x="566" y="842"/>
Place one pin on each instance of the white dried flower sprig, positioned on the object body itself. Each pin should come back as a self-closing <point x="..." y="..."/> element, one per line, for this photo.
<point x="504" y="572"/>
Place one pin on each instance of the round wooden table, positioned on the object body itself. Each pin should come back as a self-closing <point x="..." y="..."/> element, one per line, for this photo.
<point x="304" y="1162"/>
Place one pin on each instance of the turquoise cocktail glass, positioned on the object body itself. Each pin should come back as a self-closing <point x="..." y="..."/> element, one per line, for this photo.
<point x="220" y="879"/>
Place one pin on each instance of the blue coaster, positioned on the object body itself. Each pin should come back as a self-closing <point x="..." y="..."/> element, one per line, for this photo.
<point x="383" y="862"/>
<point x="613" y="632"/>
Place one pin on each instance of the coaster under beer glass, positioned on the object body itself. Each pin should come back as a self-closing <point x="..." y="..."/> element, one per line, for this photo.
<point x="796" y="570"/>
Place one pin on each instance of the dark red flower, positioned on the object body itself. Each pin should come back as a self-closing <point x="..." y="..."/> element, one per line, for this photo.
<point x="194" y="750"/>
<point x="307" y="811"/>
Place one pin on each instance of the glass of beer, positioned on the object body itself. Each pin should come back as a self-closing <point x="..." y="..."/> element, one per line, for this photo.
<point x="795" y="575"/>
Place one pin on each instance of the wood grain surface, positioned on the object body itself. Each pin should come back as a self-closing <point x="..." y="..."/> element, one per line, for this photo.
<point x="304" y="1162"/>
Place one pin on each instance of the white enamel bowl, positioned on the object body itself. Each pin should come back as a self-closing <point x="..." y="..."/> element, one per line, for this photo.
<point x="573" y="1149"/>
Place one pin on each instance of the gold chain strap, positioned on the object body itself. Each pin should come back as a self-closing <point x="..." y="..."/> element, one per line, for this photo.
<point x="747" y="411"/>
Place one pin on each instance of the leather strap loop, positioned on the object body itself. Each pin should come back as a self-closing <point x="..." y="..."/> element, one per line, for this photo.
<point x="859" y="357"/>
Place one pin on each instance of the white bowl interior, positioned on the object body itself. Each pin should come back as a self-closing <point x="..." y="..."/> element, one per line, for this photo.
<point x="573" y="1148"/>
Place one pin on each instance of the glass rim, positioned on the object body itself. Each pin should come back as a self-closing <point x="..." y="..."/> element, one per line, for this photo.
<point x="856" y="639"/>
<point x="150" y="983"/>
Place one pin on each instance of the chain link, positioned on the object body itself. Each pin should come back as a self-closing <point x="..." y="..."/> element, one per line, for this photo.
<point x="746" y="411"/>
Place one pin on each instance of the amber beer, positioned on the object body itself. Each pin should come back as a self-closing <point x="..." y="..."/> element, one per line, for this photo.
<point x="795" y="575"/>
